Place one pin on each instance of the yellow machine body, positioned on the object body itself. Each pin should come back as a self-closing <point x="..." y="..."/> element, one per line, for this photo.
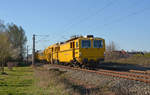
<point x="80" y="49"/>
<point x="40" y="56"/>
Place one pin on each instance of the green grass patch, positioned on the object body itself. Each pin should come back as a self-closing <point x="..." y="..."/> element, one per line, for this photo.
<point x="29" y="81"/>
<point x="18" y="81"/>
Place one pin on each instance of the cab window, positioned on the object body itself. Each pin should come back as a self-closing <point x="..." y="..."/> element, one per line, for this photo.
<point x="86" y="43"/>
<point x="77" y="44"/>
<point x="97" y="43"/>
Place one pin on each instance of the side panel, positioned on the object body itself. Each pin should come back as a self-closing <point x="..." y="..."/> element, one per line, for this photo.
<point x="47" y="54"/>
<point x="68" y="51"/>
<point x="65" y="53"/>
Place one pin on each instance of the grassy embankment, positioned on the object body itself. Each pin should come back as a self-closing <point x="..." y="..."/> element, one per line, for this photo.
<point x="28" y="81"/>
<point x="39" y="81"/>
<point x="17" y="81"/>
<point x="138" y="59"/>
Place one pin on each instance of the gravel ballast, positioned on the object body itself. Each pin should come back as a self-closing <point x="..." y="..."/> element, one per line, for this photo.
<point x="118" y="85"/>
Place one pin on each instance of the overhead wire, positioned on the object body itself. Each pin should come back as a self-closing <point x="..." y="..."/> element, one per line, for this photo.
<point x="40" y="41"/>
<point x="90" y="16"/>
<point x="113" y="16"/>
<point x="123" y="18"/>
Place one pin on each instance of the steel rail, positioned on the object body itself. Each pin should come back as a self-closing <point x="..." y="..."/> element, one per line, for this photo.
<point x="125" y="75"/>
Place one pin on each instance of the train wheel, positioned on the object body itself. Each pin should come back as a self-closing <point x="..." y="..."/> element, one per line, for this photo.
<point x="58" y="62"/>
<point x="83" y="66"/>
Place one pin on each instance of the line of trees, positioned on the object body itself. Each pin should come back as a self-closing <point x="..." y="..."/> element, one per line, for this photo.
<point x="12" y="43"/>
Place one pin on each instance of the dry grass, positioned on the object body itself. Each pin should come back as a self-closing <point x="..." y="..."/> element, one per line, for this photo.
<point x="47" y="83"/>
<point x="136" y="60"/>
<point x="55" y="82"/>
<point x="122" y="89"/>
<point x="143" y="60"/>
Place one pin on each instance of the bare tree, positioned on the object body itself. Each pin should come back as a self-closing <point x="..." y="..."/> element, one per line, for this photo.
<point x="18" y="39"/>
<point x="12" y="43"/>
<point x="2" y="26"/>
<point x="111" y="46"/>
<point x="5" y="49"/>
<point x="111" y="51"/>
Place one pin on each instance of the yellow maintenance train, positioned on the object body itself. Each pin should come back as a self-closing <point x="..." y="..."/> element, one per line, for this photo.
<point x="79" y="51"/>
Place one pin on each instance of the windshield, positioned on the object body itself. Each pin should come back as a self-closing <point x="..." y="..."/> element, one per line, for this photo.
<point x="86" y="43"/>
<point x="98" y="43"/>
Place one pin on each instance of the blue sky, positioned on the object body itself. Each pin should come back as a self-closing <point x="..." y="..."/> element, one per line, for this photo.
<point x="126" y="22"/>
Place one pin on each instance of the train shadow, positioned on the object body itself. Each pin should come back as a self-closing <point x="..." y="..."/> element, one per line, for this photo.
<point x="121" y="67"/>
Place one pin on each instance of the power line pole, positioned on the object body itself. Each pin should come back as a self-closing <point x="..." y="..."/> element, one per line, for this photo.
<point x="33" y="51"/>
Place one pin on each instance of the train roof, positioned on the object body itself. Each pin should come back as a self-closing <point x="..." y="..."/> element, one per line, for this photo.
<point x="83" y="37"/>
<point x="74" y="38"/>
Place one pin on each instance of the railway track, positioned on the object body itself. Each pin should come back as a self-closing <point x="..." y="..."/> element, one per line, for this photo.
<point x="132" y="75"/>
<point x="142" y="72"/>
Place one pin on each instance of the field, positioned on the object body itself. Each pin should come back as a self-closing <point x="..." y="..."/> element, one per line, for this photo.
<point x="42" y="81"/>
<point x="18" y="81"/>
<point x="28" y="81"/>
<point x="39" y="81"/>
<point x="137" y="59"/>
<point x="48" y="80"/>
